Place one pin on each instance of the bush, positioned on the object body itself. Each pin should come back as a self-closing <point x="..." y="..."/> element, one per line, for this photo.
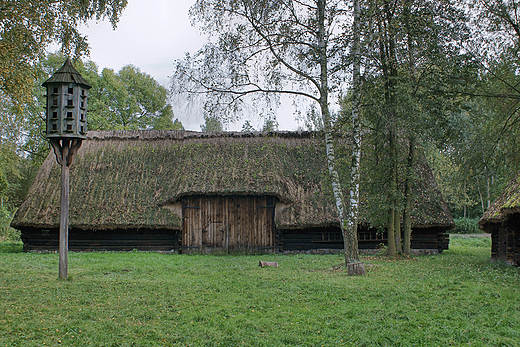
<point x="6" y="232"/>
<point x="9" y="234"/>
<point x="466" y="226"/>
<point x="11" y="247"/>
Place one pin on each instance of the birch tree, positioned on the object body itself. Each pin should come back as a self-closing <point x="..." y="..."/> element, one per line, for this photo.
<point x="356" y="123"/>
<point x="263" y="49"/>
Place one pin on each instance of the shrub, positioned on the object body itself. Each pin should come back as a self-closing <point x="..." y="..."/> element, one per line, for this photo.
<point x="6" y="232"/>
<point x="466" y="226"/>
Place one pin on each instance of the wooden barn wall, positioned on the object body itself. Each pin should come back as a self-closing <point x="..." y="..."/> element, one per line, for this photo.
<point x="368" y="239"/>
<point x="102" y="240"/>
<point x="512" y="247"/>
<point x="228" y="224"/>
<point x="494" y="231"/>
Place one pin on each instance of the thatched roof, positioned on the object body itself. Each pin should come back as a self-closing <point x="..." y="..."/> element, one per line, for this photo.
<point x="508" y="202"/>
<point x="129" y="179"/>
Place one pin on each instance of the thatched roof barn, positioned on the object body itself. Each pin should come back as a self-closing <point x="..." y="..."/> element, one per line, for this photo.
<point x="206" y="192"/>
<point x="502" y="221"/>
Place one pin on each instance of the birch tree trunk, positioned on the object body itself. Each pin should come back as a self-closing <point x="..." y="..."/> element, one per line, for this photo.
<point x="349" y="233"/>
<point x="353" y="214"/>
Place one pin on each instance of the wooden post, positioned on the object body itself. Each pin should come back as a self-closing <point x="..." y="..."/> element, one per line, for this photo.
<point x="65" y="150"/>
<point x="64" y="214"/>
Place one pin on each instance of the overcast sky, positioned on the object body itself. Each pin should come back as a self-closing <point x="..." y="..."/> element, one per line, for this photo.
<point x="151" y="35"/>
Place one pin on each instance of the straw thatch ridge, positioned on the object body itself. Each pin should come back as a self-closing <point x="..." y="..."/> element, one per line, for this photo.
<point x="507" y="203"/>
<point x="133" y="179"/>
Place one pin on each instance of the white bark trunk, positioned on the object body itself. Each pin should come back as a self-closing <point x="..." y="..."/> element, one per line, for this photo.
<point x="349" y="237"/>
<point x="356" y="136"/>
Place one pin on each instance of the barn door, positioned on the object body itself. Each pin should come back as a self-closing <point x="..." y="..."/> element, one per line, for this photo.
<point x="264" y="225"/>
<point x="221" y="224"/>
<point x="213" y="224"/>
<point x="191" y="225"/>
<point x="203" y="224"/>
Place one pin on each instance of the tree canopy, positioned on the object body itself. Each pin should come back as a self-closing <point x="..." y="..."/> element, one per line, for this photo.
<point x="27" y="28"/>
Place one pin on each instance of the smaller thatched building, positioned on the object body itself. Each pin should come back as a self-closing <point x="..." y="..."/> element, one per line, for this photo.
<point x="502" y="221"/>
<point x="198" y="192"/>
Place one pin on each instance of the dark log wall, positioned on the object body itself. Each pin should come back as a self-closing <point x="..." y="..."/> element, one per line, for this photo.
<point x="430" y="238"/>
<point x="512" y="236"/>
<point x="223" y="224"/>
<point x="226" y="224"/>
<point x="312" y="238"/>
<point x="505" y="240"/>
<point x="494" y="230"/>
<point x="331" y="238"/>
<point x="102" y="240"/>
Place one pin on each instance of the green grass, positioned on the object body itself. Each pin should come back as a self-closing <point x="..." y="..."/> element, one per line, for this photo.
<point x="148" y="299"/>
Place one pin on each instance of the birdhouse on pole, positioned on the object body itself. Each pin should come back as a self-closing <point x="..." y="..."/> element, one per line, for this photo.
<point x="66" y="104"/>
<point x="66" y="122"/>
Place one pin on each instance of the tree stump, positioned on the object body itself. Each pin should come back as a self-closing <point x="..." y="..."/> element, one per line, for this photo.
<point x="356" y="269"/>
<point x="267" y="263"/>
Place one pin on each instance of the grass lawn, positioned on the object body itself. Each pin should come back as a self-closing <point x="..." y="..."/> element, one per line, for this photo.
<point x="148" y="299"/>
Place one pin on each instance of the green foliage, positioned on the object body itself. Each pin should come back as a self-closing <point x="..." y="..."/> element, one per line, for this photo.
<point x="164" y="121"/>
<point x="127" y="100"/>
<point x="466" y="226"/>
<point x="312" y="120"/>
<point x="9" y="183"/>
<point x="247" y="126"/>
<point x="211" y="124"/>
<point x="27" y="28"/>
<point x="270" y="124"/>
<point x="8" y="234"/>
<point x="470" y="243"/>
<point x="10" y="247"/>
<point x="147" y="299"/>
<point x="483" y="143"/>
<point x="450" y="179"/>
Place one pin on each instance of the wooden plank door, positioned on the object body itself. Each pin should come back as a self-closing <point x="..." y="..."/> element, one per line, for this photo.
<point x="213" y="224"/>
<point x="221" y="224"/>
<point x="191" y="225"/>
<point x="264" y="224"/>
<point x="251" y="224"/>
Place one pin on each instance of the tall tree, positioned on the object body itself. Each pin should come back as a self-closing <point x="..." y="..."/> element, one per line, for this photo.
<point x="128" y="99"/>
<point x="411" y="52"/>
<point x="355" y="163"/>
<point x="211" y="124"/>
<point x="481" y="155"/>
<point x="266" y="49"/>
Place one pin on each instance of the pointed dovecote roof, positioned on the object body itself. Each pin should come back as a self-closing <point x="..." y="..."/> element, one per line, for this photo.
<point x="67" y="74"/>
